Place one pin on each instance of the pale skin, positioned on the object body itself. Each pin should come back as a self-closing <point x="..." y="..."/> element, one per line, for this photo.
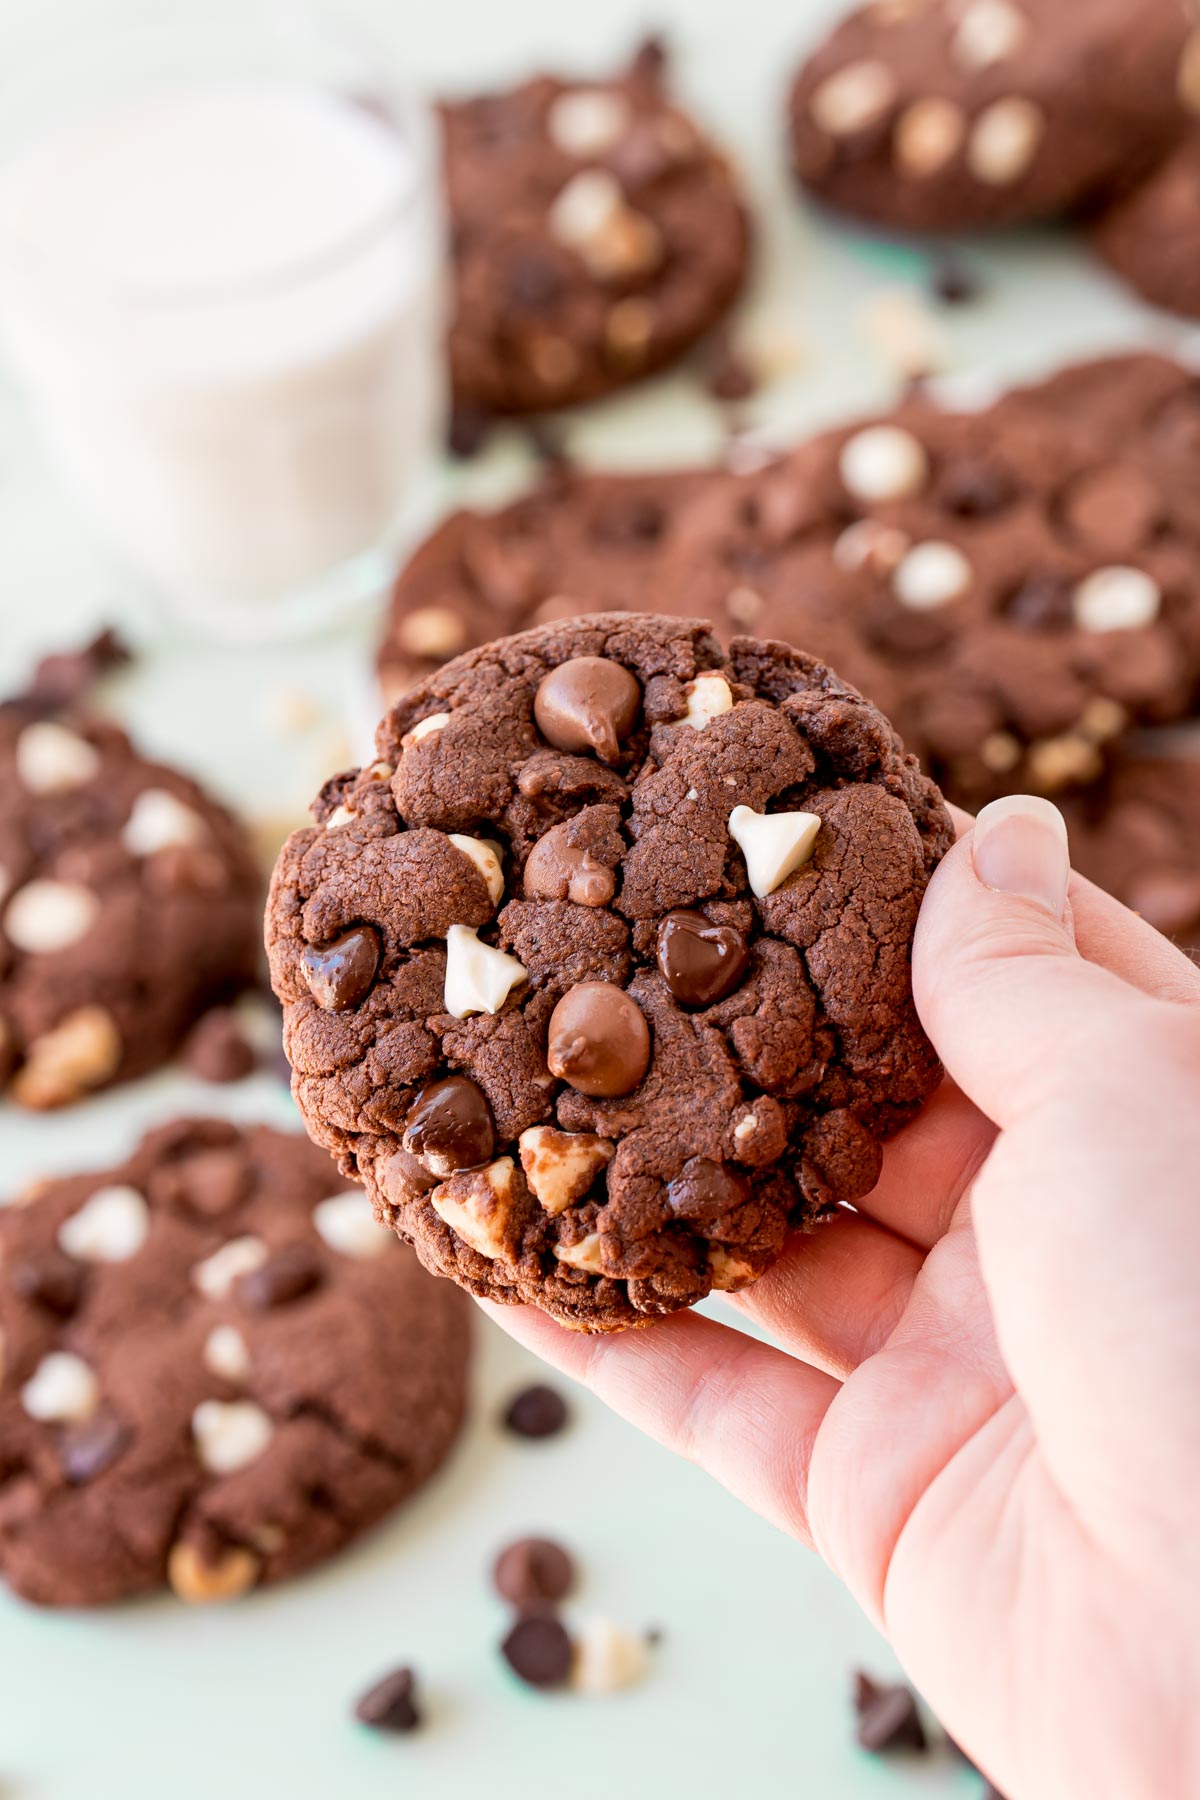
<point x="984" y="1407"/>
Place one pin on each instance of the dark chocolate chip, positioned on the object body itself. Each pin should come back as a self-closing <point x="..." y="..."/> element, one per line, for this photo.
<point x="953" y="283"/>
<point x="588" y="703"/>
<point x="533" y="1572"/>
<point x="888" y="1717"/>
<point x="390" y="1705"/>
<point x="1041" y="603"/>
<point x="706" y="1191"/>
<point x="729" y="375"/>
<point x="217" y="1049"/>
<point x="210" y="1182"/>
<point x="87" y="1448"/>
<point x="52" y="1281"/>
<point x="631" y="519"/>
<point x="598" y="1040"/>
<point x="700" y="962"/>
<point x="66" y="677"/>
<point x="539" y="1651"/>
<point x="287" y="1275"/>
<point x="536" y="1412"/>
<point x="468" y="430"/>
<point x="649" y="61"/>
<point x="449" y="1127"/>
<point x="973" y="490"/>
<point x="341" y="973"/>
<point x="532" y="281"/>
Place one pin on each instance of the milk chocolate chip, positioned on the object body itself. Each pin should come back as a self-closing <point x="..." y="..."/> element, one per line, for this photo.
<point x="701" y="962"/>
<point x="557" y="870"/>
<point x="449" y="1127"/>
<point x="588" y="703"/>
<point x="598" y="1041"/>
<point x="339" y="974"/>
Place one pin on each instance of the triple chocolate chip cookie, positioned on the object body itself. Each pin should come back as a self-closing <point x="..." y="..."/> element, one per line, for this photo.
<point x="129" y="903"/>
<point x="944" y="115"/>
<point x="1151" y="237"/>
<point x="596" y="234"/>
<point x="599" y="977"/>
<point x="215" y="1370"/>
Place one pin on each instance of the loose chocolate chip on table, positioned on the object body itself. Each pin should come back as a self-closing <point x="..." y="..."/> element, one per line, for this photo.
<point x="536" y="1412"/>
<point x="286" y="1276"/>
<point x="701" y="962"/>
<point x="729" y="375"/>
<point x="52" y="1281"/>
<point x="341" y="973"/>
<point x="588" y="703"/>
<point x="953" y="283"/>
<point x="533" y="1572"/>
<point x="598" y="1040"/>
<point x="469" y="428"/>
<point x="888" y="1718"/>
<point x="539" y="1651"/>
<point x="449" y="1127"/>
<point x="90" y="1446"/>
<point x="217" y="1049"/>
<point x="390" y="1705"/>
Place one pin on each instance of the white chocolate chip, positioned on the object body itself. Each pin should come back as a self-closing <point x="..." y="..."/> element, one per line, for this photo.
<point x="902" y="329"/>
<point x="230" y="1433"/>
<point x="928" y="133"/>
<point x="215" y="1276"/>
<point x="225" y="1353"/>
<point x="51" y="759"/>
<point x="109" y="1227"/>
<point x="1004" y="140"/>
<point x="728" y="1271"/>
<point x="424" y="728"/>
<point x="1116" y="599"/>
<point x="44" y="916"/>
<point x="587" y="122"/>
<point x="477" y="1205"/>
<point x="869" y="545"/>
<point x="853" y="98"/>
<point x="478" y="978"/>
<point x="592" y="217"/>
<point x="607" y="1657"/>
<point x="1000" y="751"/>
<point x="883" y="462"/>
<point x="560" y="1166"/>
<point x="585" y="206"/>
<point x="347" y="1223"/>
<point x="1189" y="73"/>
<point x="341" y="815"/>
<point x="774" y="845"/>
<point x="988" y="32"/>
<point x="159" y="819"/>
<point x="80" y="1053"/>
<point x="431" y="631"/>
<point x="707" y="698"/>
<point x="931" y="574"/>
<point x="62" y="1388"/>
<point x="586" y="1254"/>
<point x="486" y="857"/>
<point x="200" y="1583"/>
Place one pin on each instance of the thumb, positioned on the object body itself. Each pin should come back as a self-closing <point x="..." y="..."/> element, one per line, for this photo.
<point x="1011" y="1006"/>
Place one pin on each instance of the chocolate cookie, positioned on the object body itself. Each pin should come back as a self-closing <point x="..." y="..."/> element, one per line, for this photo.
<point x="596" y="234"/>
<point x="945" y="115"/>
<point x="599" y="976"/>
<point x="1138" y="836"/>
<point x="129" y="904"/>
<point x="1151" y="237"/>
<point x="1013" y="587"/>
<point x="216" y="1370"/>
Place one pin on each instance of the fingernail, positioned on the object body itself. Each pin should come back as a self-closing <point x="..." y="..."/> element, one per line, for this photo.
<point x="1020" y="847"/>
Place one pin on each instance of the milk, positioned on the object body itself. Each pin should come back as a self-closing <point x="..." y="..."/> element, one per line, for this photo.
<point x="224" y="302"/>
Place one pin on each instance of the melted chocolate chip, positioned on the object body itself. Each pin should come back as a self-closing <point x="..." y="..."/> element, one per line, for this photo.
<point x="52" y="1281"/>
<point x="536" y="1412"/>
<point x="888" y="1717"/>
<point x="390" y="1705"/>
<point x="538" y="1651"/>
<point x="533" y="1572"/>
<point x="588" y="703"/>
<point x="87" y="1448"/>
<point x="1041" y="603"/>
<point x="973" y="490"/>
<point x="286" y="1276"/>
<point x="341" y="973"/>
<point x="598" y="1040"/>
<point x="700" y="962"/>
<point x="558" y="870"/>
<point x="449" y="1127"/>
<point x="705" y="1191"/>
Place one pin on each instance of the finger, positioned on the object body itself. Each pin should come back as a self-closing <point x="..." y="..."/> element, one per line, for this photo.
<point x="1109" y="934"/>
<point x="740" y="1409"/>
<point x="929" y="1167"/>
<point x="1014" y="1010"/>
<point x="836" y="1295"/>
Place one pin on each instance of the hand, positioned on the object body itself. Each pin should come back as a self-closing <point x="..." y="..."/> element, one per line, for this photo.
<point x="992" y="1432"/>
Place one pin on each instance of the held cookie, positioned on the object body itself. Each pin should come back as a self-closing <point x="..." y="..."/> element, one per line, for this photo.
<point x="599" y="976"/>
<point x="946" y="115"/>
<point x="128" y="905"/>
<point x="1151" y="237"/>
<point x="595" y="232"/>
<point x="216" y="1370"/>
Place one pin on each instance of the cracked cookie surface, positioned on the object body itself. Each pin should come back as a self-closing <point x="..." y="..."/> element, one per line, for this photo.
<point x="216" y="1369"/>
<point x="639" y="915"/>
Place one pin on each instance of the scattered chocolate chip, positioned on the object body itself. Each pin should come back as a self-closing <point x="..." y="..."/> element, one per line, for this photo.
<point x="538" y="1651"/>
<point x="1042" y="602"/>
<point x="700" y="962"/>
<point x="598" y="1040"/>
<point x="449" y="1127"/>
<point x="469" y="429"/>
<point x="341" y="973"/>
<point x="87" y="1448"/>
<point x="888" y="1718"/>
<point x="588" y="703"/>
<point x="705" y="1191"/>
<point x="546" y="443"/>
<point x="533" y="1572"/>
<point x="729" y="375"/>
<point x="654" y="1635"/>
<point x="286" y="1275"/>
<point x="217" y="1049"/>
<point x="973" y="490"/>
<point x="536" y="1412"/>
<point x="52" y="1281"/>
<point x="390" y="1705"/>
<point x="953" y="283"/>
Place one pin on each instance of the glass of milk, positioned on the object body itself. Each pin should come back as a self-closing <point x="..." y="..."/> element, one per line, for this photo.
<point x="221" y="288"/>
